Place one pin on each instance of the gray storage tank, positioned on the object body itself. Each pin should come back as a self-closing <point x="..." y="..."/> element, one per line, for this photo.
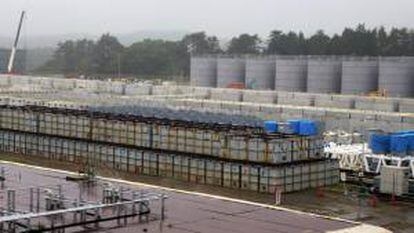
<point x="260" y="73"/>
<point x="230" y="70"/>
<point x="324" y="75"/>
<point x="203" y="71"/>
<point x="291" y="74"/>
<point x="359" y="76"/>
<point x="396" y="76"/>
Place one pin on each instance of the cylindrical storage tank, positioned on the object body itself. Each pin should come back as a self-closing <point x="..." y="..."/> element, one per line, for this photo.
<point x="291" y="75"/>
<point x="260" y="73"/>
<point x="203" y="71"/>
<point x="324" y="75"/>
<point x="359" y="77"/>
<point x="230" y="70"/>
<point x="396" y="77"/>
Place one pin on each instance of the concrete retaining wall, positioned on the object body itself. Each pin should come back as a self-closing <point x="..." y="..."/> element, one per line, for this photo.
<point x="226" y="94"/>
<point x="376" y="104"/>
<point x="295" y="98"/>
<point x="269" y="97"/>
<point x="406" y="105"/>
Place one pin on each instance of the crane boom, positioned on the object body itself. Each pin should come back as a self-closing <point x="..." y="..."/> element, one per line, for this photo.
<point x="16" y="41"/>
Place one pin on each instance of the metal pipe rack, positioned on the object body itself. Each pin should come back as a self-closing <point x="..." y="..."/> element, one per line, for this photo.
<point x="78" y="213"/>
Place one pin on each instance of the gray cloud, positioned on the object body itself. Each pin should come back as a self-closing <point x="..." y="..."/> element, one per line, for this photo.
<point x="224" y="18"/>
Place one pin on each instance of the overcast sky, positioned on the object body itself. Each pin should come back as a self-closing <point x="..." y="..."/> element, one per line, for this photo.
<point x="223" y="18"/>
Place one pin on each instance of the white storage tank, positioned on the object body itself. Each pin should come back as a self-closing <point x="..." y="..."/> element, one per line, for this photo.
<point x="230" y="70"/>
<point x="260" y="73"/>
<point x="291" y="74"/>
<point x="324" y="75"/>
<point x="396" y="76"/>
<point x="203" y="71"/>
<point x="359" y="76"/>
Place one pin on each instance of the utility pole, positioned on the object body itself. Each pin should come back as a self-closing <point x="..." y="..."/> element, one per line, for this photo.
<point x="119" y="65"/>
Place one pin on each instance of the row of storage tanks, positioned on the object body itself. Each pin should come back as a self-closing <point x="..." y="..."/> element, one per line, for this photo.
<point x="240" y="145"/>
<point x="315" y="74"/>
<point x="202" y="170"/>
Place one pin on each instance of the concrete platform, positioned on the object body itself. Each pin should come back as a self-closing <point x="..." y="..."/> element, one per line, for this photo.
<point x="193" y="212"/>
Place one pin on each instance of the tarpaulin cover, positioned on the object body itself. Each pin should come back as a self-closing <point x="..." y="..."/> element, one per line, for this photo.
<point x="410" y="138"/>
<point x="405" y="132"/>
<point x="380" y="143"/>
<point x="399" y="143"/>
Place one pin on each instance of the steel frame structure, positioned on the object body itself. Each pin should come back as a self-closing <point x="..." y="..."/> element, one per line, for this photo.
<point x="372" y="163"/>
<point x="80" y="213"/>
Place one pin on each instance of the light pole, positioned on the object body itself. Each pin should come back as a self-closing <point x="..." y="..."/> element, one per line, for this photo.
<point x="119" y="65"/>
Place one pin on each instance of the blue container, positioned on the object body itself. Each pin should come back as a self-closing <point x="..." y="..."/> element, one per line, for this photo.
<point x="295" y="126"/>
<point x="399" y="143"/>
<point x="270" y="126"/>
<point x="308" y="128"/>
<point x="303" y="127"/>
<point x="380" y="143"/>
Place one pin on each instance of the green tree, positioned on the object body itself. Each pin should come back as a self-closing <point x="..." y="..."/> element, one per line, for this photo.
<point x="399" y="42"/>
<point x="382" y="41"/>
<point x="275" y="39"/>
<point x="84" y="56"/>
<point x="318" y="43"/>
<point x="290" y="43"/>
<point x="152" y="57"/>
<point x="335" y="46"/>
<point x="107" y="53"/>
<point x="72" y="57"/>
<point x="360" y="41"/>
<point x="65" y="57"/>
<point x="244" y="44"/>
<point x="200" y="43"/>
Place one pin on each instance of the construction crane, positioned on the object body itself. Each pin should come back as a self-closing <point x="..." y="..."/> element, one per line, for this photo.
<point x="16" y="41"/>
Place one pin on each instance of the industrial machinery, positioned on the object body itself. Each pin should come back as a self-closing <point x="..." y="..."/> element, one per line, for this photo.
<point x="388" y="158"/>
<point x="16" y="41"/>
